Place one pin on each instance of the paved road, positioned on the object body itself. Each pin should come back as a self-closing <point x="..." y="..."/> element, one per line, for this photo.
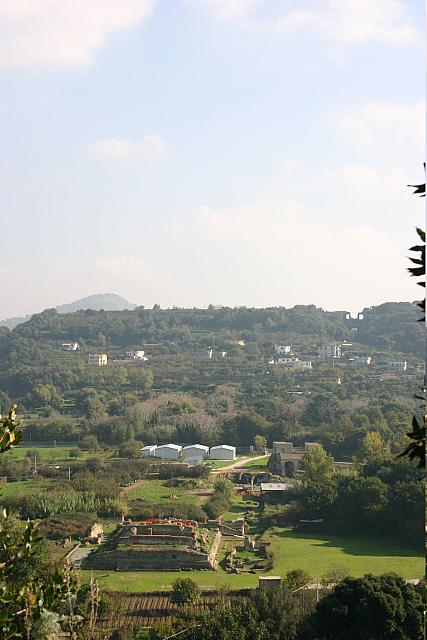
<point x="238" y="464"/>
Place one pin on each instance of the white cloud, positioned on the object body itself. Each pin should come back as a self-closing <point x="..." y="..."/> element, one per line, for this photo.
<point x="385" y="126"/>
<point x="271" y="253"/>
<point x="151" y="147"/>
<point x="340" y="22"/>
<point x="229" y="9"/>
<point x="56" y="34"/>
<point x="353" y="21"/>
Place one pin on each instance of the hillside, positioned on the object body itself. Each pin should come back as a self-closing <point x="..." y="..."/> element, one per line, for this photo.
<point x="97" y="301"/>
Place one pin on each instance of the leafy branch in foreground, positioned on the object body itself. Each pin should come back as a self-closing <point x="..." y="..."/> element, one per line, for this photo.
<point x="9" y="436"/>
<point x="48" y="601"/>
<point x="417" y="448"/>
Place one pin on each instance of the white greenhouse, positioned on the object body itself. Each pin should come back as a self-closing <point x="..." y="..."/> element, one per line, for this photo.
<point x="168" y="451"/>
<point x="195" y="452"/>
<point x="148" y="450"/>
<point x="223" y="452"/>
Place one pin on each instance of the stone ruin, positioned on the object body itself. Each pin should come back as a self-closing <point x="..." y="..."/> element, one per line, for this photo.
<point x="159" y="546"/>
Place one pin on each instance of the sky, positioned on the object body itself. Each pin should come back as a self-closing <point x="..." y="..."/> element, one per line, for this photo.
<point x="196" y="152"/>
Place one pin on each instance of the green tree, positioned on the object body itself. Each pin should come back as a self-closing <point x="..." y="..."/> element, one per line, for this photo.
<point x="316" y="464"/>
<point x="374" y="448"/>
<point x="368" y="608"/>
<point x="260" y="442"/>
<point x="185" y="591"/>
<point x="225" y="487"/>
<point x="228" y="623"/>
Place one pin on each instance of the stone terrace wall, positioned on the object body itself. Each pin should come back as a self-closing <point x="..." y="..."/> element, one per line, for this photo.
<point x="186" y="541"/>
<point x="160" y="529"/>
<point x="151" y="560"/>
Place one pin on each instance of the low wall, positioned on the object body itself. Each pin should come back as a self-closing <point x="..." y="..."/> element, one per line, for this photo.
<point x="159" y="540"/>
<point x="160" y="529"/>
<point x="147" y="560"/>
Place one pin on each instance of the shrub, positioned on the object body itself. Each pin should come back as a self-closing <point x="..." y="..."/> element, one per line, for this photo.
<point x="185" y="591"/>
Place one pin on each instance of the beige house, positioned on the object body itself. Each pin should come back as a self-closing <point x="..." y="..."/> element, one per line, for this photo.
<point x="98" y="359"/>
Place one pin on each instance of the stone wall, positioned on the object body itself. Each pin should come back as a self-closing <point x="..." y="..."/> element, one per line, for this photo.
<point x="187" y="541"/>
<point x="152" y="560"/>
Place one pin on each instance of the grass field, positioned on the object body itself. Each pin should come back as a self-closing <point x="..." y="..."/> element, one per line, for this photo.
<point x="155" y="492"/>
<point x="261" y="462"/>
<point x="316" y="554"/>
<point x="43" y="453"/>
<point x="23" y="487"/>
<point x="53" y="454"/>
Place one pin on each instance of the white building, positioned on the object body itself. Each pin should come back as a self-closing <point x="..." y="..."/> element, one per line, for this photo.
<point x="148" y="451"/>
<point x="98" y="359"/>
<point x="195" y="452"/>
<point x="168" y="451"/>
<point x="223" y="452"/>
<point x="282" y="348"/>
<point x="70" y="346"/>
<point x="136" y="355"/>
<point x="329" y="351"/>
<point x="361" y="361"/>
<point x="294" y="363"/>
<point x="397" y="365"/>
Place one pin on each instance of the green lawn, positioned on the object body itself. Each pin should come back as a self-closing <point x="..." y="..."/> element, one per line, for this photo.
<point x="52" y="454"/>
<point x="155" y="492"/>
<point x="23" y="487"/>
<point x="261" y="462"/>
<point x="315" y="554"/>
<point x="43" y="453"/>
<point x="239" y="506"/>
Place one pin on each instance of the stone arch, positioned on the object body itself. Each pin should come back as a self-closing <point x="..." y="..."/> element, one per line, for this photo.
<point x="289" y="469"/>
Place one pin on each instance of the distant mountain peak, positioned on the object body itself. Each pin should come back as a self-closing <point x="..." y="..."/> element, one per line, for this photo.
<point x="96" y="302"/>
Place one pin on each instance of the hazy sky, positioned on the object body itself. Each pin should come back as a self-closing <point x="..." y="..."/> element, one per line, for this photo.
<point x="187" y="152"/>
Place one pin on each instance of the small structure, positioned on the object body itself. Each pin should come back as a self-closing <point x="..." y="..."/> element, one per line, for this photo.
<point x="96" y="533"/>
<point x="195" y="452"/>
<point x="223" y="452"/>
<point x="397" y="365"/>
<point x="168" y="451"/>
<point x="294" y="363"/>
<point x="70" y="346"/>
<point x="329" y="351"/>
<point x="148" y="451"/>
<point x="283" y="447"/>
<point x="136" y="355"/>
<point x="310" y="445"/>
<point x="280" y="349"/>
<point x="269" y="488"/>
<point x="285" y="458"/>
<point x="269" y="583"/>
<point x="98" y="359"/>
<point x="361" y="361"/>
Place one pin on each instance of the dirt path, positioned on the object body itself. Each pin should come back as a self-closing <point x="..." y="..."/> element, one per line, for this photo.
<point x="238" y="464"/>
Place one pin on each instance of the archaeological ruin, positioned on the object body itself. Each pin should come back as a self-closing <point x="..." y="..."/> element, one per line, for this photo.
<point x="159" y="546"/>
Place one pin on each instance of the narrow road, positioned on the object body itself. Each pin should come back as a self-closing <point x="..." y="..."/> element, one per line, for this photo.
<point x="239" y="463"/>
